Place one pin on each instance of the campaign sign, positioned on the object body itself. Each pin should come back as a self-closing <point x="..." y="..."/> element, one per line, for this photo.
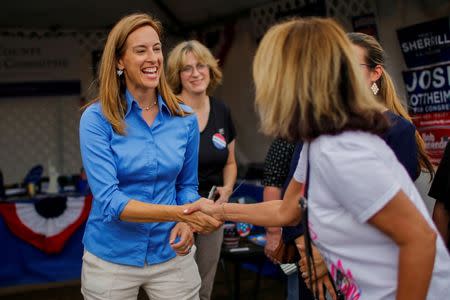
<point x="428" y="89"/>
<point x="425" y="43"/>
<point x="435" y="131"/>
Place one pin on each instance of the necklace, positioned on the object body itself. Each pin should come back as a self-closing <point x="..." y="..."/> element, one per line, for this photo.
<point x="147" y="108"/>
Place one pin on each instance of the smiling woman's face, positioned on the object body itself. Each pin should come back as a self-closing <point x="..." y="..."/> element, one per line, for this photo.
<point x="194" y="75"/>
<point x="142" y="60"/>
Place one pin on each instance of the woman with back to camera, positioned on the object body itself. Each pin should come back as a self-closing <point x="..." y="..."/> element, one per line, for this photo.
<point x="364" y="212"/>
<point x="193" y="73"/>
<point x="139" y="147"/>
<point x="401" y="136"/>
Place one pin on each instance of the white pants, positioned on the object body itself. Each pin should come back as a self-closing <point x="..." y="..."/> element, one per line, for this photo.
<point x="207" y="257"/>
<point x="175" y="279"/>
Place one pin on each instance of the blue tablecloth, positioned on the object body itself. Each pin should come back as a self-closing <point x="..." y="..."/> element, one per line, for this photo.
<point x="24" y="263"/>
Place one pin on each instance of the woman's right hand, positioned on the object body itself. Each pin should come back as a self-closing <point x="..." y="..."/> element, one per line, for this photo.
<point x="197" y="216"/>
<point x="205" y="206"/>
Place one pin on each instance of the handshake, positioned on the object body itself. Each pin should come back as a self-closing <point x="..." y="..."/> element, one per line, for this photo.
<point x="203" y="216"/>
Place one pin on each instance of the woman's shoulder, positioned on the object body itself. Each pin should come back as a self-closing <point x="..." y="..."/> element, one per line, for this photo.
<point x="219" y="104"/>
<point x="349" y="140"/>
<point x="189" y="113"/>
<point x="399" y="123"/>
<point x="349" y="147"/>
<point x="186" y="108"/>
<point x="93" y="113"/>
<point x="189" y="117"/>
<point x="93" y="110"/>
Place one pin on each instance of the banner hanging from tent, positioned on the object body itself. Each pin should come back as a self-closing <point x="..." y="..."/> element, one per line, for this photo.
<point x="32" y="66"/>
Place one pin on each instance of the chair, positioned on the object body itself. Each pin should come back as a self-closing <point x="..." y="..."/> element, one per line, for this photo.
<point x="34" y="175"/>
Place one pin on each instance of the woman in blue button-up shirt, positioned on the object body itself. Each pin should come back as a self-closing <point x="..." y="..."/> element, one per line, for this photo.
<point x="139" y="147"/>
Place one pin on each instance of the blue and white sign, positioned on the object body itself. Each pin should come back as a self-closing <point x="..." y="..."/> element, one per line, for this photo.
<point x="428" y="89"/>
<point x="425" y="43"/>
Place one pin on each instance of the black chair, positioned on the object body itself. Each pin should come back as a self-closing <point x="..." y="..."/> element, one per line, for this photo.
<point x="34" y="176"/>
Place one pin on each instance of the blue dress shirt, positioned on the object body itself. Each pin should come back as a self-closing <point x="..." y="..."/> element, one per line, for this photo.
<point x="154" y="164"/>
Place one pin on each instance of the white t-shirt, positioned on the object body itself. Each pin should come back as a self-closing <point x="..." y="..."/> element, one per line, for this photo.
<point x="353" y="175"/>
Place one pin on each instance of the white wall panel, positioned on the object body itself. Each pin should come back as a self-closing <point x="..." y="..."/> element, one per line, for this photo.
<point x="36" y="130"/>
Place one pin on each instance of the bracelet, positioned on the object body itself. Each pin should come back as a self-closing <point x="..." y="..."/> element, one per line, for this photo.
<point x="223" y="211"/>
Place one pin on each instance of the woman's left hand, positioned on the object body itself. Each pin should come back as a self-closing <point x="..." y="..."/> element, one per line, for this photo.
<point x="224" y="194"/>
<point x="320" y="279"/>
<point x="183" y="233"/>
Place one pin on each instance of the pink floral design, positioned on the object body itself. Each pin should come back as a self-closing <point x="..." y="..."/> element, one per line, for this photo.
<point x="344" y="281"/>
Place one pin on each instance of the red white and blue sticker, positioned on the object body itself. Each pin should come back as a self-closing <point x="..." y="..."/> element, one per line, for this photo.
<point x="219" y="141"/>
<point x="244" y="229"/>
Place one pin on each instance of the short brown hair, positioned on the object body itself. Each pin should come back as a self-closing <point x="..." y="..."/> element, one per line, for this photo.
<point x="176" y="59"/>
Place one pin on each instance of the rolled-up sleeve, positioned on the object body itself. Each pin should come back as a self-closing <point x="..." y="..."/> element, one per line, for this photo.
<point x="187" y="180"/>
<point x="99" y="163"/>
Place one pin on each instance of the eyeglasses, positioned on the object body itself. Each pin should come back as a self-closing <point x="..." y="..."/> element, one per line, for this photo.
<point x="366" y="65"/>
<point x="188" y="70"/>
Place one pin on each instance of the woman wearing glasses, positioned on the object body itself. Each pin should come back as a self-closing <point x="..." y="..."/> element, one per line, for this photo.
<point x="402" y="137"/>
<point x="193" y="74"/>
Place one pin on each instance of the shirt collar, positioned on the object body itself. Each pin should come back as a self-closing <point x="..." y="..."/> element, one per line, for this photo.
<point x="163" y="106"/>
<point x="161" y="103"/>
<point x="129" y="99"/>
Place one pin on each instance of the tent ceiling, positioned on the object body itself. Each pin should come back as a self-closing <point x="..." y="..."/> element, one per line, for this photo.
<point x="79" y="14"/>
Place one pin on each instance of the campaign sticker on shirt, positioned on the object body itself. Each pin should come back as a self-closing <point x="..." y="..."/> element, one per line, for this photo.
<point x="219" y="141"/>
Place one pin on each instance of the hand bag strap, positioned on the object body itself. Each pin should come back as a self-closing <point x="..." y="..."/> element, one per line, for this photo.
<point x="308" y="246"/>
<point x="308" y="241"/>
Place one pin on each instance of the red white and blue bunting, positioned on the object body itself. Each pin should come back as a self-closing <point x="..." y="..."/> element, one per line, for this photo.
<point x="48" y="223"/>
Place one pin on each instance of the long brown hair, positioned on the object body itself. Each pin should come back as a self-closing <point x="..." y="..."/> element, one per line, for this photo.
<point x="112" y="87"/>
<point x="308" y="83"/>
<point x="387" y="95"/>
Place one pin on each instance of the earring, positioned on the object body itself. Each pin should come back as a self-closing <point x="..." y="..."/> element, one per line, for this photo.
<point x="119" y="72"/>
<point x="374" y="88"/>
